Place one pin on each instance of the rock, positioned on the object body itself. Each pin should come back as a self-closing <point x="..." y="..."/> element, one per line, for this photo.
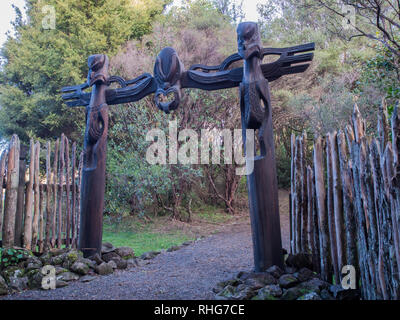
<point x="61" y="283"/>
<point x="80" y="268"/>
<point x="310" y="296"/>
<point x="174" y="248"/>
<point x="187" y="243"/>
<point x="71" y="257"/>
<point x="46" y="258"/>
<point x="339" y="293"/>
<point x="304" y="274"/>
<point x="290" y="270"/>
<point x="107" y="248"/>
<point x="96" y="258"/>
<point x="112" y="264"/>
<point x="227" y="292"/>
<point x="3" y="286"/>
<point x="34" y="279"/>
<point x="133" y="262"/>
<point x="57" y="251"/>
<point x="34" y="265"/>
<point x="262" y="277"/>
<point x="315" y="285"/>
<point x="68" y="276"/>
<point x="87" y="278"/>
<point x="104" y="269"/>
<point x="122" y="264"/>
<point x="293" y="293"/>
<point x="90" y="263"/>
<point x="275" y="271"/>
<point x="60" y="270"/>
<point x="325" y="295"/>
<point x="270" y="292"/>
<point x="149" y="255"/>
<point x="141" y="262"/>
<point x="244" y="293"/>
<point x="125" y="252"/>
<point x="299" y="260"/>
<point x="12" y="272"/>
<point x="231" y="282"/>
<point x="219" y="297"/>
<point x="254" y="283"/>
<point x="18" y="283"/>
<point x="288" y="281"/>
<point x="111" y="256"/>
<point x="57" y="260"/>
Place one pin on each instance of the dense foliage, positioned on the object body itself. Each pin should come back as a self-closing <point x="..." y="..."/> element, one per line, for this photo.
<point x="347" y="69"/>
<point x="37" y="62"/>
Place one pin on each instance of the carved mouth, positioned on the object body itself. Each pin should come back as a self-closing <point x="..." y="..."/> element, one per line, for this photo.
<point x="162" y="96"/>
<point x="252" y="50"/>
<point x="97" y="77"/>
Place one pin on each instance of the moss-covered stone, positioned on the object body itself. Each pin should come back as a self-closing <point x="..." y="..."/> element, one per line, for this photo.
<point x="294" y="293"/>
<point x="13" y="271"/>
<point x="3" y="286"/>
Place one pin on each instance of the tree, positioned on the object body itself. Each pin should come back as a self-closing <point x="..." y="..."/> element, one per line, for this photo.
<point x="37" y="62"/>
<point x="378" y="20"/>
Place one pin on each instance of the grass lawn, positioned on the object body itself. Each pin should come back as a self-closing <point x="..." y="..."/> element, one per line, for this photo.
<point x="161" y="232"/>
<point x="145" y="241"/>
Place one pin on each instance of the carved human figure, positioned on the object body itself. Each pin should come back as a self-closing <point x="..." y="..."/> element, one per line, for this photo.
<point x="262" y="182"/>
<point x="94" y="164"/>
<point x="168" y="71"/>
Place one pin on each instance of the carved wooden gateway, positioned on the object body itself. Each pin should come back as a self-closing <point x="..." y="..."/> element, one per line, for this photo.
<point x="169" y="78"/>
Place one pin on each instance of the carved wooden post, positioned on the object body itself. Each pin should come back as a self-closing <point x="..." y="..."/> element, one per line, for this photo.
<point x="255" y="105"/>
<point x="94" y="166"/>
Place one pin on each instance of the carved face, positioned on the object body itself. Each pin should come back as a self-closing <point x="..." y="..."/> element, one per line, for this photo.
<point x="249" y="41"/>
<point x="98" y="69"/>
<point x="167" y="73"/>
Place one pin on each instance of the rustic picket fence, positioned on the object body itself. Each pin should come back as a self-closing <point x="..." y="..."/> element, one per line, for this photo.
<point x="39" y="208"/>
<point x="345" y="204"/>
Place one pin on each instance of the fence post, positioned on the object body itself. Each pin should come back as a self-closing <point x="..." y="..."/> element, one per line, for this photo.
<point x="10" y="207"/>
<point x="67" y="186"/>
<point x="49" y="218"/>
<point x="35" y="225"/>
<point x="21" y="196"/>
<point x="29" y="199"/>
<point x="73" y="172"/>
<point x="2" y="172"/>
<point x="60" y="182"/>
<point x="54" y="213"/>
<point x="321" y="207"/>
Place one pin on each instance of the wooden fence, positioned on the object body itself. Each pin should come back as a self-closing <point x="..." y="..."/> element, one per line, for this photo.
<point x="345" y="205"/>
<point x="39" y="208"/>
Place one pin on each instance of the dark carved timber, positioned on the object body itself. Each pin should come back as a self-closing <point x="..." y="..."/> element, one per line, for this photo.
<point x="255" y="105"/>
<point x="138" y="88"/>
<point x="170" y="77"/>
<point x="94" y="164"/>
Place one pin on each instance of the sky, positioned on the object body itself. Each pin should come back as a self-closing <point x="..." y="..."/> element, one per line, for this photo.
<point x="7" y="13"/>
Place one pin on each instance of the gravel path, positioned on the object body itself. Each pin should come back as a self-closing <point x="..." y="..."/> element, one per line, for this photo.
<point x="189" y="273"/>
